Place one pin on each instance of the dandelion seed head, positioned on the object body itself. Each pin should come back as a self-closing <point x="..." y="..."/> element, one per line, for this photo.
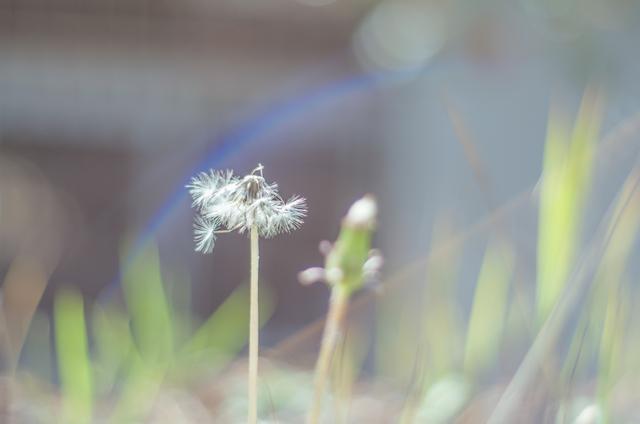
<point x="225" y="203"/>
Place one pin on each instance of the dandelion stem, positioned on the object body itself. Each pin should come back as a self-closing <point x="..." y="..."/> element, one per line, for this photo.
<point x="338" y="307"/>
<point x="253" y="329"/>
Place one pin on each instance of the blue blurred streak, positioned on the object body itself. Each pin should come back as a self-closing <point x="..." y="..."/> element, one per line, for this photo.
<point x="273" y="116"/>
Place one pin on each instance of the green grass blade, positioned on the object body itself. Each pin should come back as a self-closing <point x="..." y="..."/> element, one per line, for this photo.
<point x="489" y="309"/>
<point x="113" y="344"/>
<point x="73" y="359"/>
<point x="418" y="325"/>
<point x="611" y="355"/>
<point x="567" y="168"/>
<point x="224" y="334"/>
<point x="151" y="316"/>
<point x="152" y="324"/>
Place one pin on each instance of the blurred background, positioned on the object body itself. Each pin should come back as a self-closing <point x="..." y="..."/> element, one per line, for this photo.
<point x="438" y="108"/>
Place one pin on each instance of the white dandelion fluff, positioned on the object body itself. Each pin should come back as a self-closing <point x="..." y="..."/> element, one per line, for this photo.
<point x="204" y="234"/>
<point x="225" y="203"/>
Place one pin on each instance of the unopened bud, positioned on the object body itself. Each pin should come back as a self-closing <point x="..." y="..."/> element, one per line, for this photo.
<point x="311" y="275"/>
<point x="325" y="247"/>
<point x="362" y="213"/>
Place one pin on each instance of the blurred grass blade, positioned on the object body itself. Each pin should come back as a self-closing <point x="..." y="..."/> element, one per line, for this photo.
<point x="442" y="326"/>
<point x="579" y="283"/>
<point x="567" y="168"/>
<point x="179" y="288"/>
<point x="613" y="334"/>
<point x="73" y="358"/>
<point x="140" y="388"/>
<point x="153" y="351"/>
<point x="610" y="305"/>
<point x="225" y="333"/>
<point x="631" y="350"/>
<point x="608" y="282"/>
<point x="113" y="344"/>
<point x="150" y="312"/>
<point x="623" y="237"/>
<point x="418" y="325"/>
<point x="489" y="308"/>
<point x="394" y="358"/>
<point x="555" y="243"/>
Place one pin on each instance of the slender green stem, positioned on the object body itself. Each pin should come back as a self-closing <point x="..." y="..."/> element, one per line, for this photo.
<point x="253" y="329"/>
<point x="338" y="307"/>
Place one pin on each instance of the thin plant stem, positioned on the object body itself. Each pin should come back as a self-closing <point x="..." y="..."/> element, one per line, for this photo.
<point x="338" y="307"/>
<point x="253" y="329"/>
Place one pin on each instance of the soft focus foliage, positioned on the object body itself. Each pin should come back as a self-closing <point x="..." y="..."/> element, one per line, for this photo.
<point x="564" y="187"/>
<point x="505" y="206"/>
<point x="140" y="354"/>
<point x="74" y="364"/>
<point x="489" y="310"/>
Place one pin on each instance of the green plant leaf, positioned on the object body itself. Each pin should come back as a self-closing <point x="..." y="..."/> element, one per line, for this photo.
<point x="489" y="309"/>
<point x="151" y="316"/>
<point x="74" y="365"/>
<point x="566" y="176"/>
<point x="225" y="332"/>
